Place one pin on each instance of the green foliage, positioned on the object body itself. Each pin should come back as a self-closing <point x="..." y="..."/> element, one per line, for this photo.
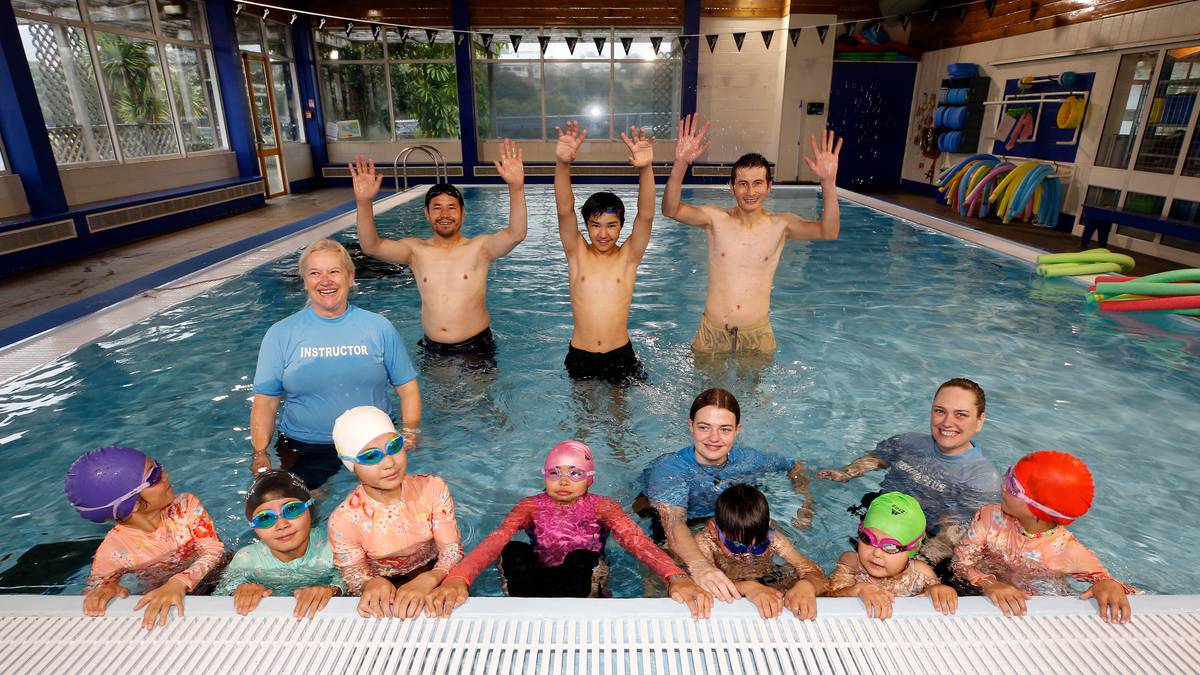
<point x="134" y="91"/>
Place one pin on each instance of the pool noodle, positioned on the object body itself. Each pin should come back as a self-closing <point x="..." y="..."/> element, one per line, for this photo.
<point x="1182" y="302"/>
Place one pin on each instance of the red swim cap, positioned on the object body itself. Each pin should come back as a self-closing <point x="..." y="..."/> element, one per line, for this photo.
<point x="1057" y="480"/>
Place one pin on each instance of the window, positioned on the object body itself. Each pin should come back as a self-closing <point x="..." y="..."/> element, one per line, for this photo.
<point x="122" y="79"/>
<point x="1191" y="166"/>
<point x="275" y="40"/>
<point x="1186" y="212"/>
<point x="1124" y="111"/>
<point x="1170" y="111"/>
<point x="1103" y="197"/>
<point x="521" y="93"/>
<point x="1150" y="205"/>
<point x="399" y="86"/>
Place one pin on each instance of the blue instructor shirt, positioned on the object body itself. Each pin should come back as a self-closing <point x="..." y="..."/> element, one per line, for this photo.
<point x="677" y="479"/>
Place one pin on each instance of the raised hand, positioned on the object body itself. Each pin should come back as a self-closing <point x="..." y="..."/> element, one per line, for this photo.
<point x="366" y="181"/>
<point x="641" y="148"/>
<point x="824" y="161"/>
<point x="692" y="142"/>
<point x="511" y="165"/>
<point x="569" y="142"/>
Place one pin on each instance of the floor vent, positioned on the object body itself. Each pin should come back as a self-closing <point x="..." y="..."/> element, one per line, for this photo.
<point x="107" y="220"/>
<point x="38" y="235"/>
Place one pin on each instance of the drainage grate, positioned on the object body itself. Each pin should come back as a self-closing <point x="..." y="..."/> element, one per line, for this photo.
<point x="38" y="235"/>
<point x="497" y="635"/>
<point x="107" y="220"/>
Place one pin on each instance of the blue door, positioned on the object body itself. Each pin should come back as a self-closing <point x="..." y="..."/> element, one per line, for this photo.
<point x="869" y="104"/>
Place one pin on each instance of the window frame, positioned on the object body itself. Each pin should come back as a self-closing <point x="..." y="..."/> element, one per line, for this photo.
<point x="264" y="45"/>
<point x="90" y="28"/>
<point x="669" y="35"/>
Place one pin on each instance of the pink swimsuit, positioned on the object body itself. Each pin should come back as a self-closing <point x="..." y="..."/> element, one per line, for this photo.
<point x="185" y="547"/>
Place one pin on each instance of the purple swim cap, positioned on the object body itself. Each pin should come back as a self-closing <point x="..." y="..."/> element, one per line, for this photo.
<point x="99" y="484"/>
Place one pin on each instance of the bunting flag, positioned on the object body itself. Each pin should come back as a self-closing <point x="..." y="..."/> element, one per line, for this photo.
<point x="933" y="16"/>
<point x="794" y="34"/>
<point x="962" y="14"/>
<point x="767" y="36"/>
<point x="543" y="42"/>
<point x="403" y="33"/>
<point x="850" y="27"/>
<point x="485" y="39"/>
<point x="904" y="21"/>
<point x="738" y="39"/>
<point x="349" y="28"/>
<point x="375" y="31"/>
<point x="516" y="42"/>
<point x="712" y="42"/>
<point x="655" y="41"/>
<point x="459" y="37"/>
<point x="684" y="41"/>
<point x="821" y="31"/>
<point x="599" y="42"/>
<point x="320" y="24"/>
<point x="990" y="6"/>
<point x="626" y="42"/>
<point x="431" y="34"/>
<point x="571" y="43"/>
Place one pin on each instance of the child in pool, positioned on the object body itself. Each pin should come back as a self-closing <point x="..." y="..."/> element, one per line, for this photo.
<point x="889" y="537"/>
<point x="740" y="541"/>
<point x="567" y="527"/>
<point x="166" y="541"/>
<point x="1021" y="546"/>
<point x="395" y="536"/>
<point x="291" y="557"/>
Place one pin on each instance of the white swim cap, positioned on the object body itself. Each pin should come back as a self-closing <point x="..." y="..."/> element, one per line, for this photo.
<point x="355" y="428"/>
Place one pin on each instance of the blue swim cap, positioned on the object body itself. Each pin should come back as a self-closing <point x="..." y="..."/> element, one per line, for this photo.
<point x="99" y="483"/>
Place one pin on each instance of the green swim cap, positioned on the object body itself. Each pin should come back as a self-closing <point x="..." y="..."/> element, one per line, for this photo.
<point x="898" y="516"/>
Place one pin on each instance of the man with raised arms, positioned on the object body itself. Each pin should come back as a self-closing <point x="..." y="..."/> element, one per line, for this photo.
<point x="746" y="241"/>
<point x="601" y="272"/>
<point x="450" y="269"/>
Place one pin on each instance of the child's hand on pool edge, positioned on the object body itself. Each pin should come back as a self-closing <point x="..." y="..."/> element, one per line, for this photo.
<point x="446" y="598"/>
<point x="376" y="599"/>
<point x="96" y="602"/>
<point x="1113" y="601"/>
<point x="683" y="590"/>
<point x="1009" y="598"/>
<point x="945" y="598"/>
<point x="247" y="596"/>
<point x="159" y="601"/>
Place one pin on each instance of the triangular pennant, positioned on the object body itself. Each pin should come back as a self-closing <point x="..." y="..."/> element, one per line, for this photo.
<point x="821" y="31"/>
<point x="684" y="41"/>
<point x="962" y="14"/>
<point x="655" y="41"/>
<point x="516" y="42"/>
<point x="933" y="16"/>
<point x="402" y="32"/>
<point x="431" y="34"/>
<point x="375" y="30"/>
<point x="767" y="36"/>
<point x="794" y="35"/>
<point x="485" y="39"/>
<point x="712" y="42"/>
<point x="459" y="37"/>
<point x="738" y="39"/>
<point x="990" y="6"/>
<point x="571" y="43"/>
<point x="904" y="21"/>
<point x="599" y="42"/>
<point x="544" y="41"/>
<point x="626" y="42"/>
<point x="850" y="27"/>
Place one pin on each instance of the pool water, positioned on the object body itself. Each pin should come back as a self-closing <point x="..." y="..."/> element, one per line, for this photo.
<point x="867" y="327"/>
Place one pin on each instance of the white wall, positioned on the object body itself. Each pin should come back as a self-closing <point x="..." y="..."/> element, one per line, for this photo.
<point x="807" y="78"/>
<point x="341" y="152"/>
<point x="95" y="183"/>
<point x="1115" y="35"/>
<point x="12" y="196"/>
<point x="297" y="161"/>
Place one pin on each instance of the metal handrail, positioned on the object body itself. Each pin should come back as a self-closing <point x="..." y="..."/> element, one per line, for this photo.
<point x="400" y="164"/>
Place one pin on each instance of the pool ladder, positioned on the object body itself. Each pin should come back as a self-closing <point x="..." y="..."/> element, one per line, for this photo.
<point x="400" y="164"/>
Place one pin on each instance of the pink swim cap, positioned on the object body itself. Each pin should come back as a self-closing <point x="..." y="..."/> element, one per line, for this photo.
<point x="571" y="453"/>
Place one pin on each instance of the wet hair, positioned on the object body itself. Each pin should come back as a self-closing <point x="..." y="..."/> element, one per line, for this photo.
<point x="716" y="397"/>
<point x="602" y="202"/>
<point x="439" y="189"/>
<point x="743" y="515"/>
<point x="750" y="160"/>
<point x="327" y="245"/>
<point x="964" y="383"/>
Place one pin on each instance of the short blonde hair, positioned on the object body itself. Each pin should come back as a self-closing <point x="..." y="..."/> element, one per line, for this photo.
<point x="327" y="245"/>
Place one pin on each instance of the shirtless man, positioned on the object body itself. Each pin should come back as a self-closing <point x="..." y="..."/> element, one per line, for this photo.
<point x="602" y="273"/>
<point x="745" y="242"/>
<point x="451" y="270"/>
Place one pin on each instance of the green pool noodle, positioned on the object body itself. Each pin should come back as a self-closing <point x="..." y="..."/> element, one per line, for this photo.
<point x="1150" y="288"/>
<point x="1093" y="256"/>
<point x="1173" y="276"/>
<point x="1072" y="270"/>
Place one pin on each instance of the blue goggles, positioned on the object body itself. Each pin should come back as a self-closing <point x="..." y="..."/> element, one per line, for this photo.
<point x="738" y="548"/>
<point x="372" y="456"/>
<point x="291" y="510"/>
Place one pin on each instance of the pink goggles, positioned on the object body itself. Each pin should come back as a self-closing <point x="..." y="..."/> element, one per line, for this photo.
<point x="888" y="544"/>
<point x="1013" y="487"/>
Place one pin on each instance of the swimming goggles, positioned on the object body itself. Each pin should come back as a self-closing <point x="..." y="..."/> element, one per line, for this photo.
<point x="153" y="477"/>
<point x="291" y="510"/>
<point x="738" y="548"/>
<point x="442" y="189"/>
<point x="1013" y="487"/>
<point x="887" y="544"/>
<point x="372" y="456"/>
<point x="575" y="473"/>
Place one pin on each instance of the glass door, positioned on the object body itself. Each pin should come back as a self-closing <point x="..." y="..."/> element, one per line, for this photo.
<point x="266" y="128"/>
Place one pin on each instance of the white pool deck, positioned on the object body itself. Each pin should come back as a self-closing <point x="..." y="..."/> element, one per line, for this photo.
<point x="48" y="634"/>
